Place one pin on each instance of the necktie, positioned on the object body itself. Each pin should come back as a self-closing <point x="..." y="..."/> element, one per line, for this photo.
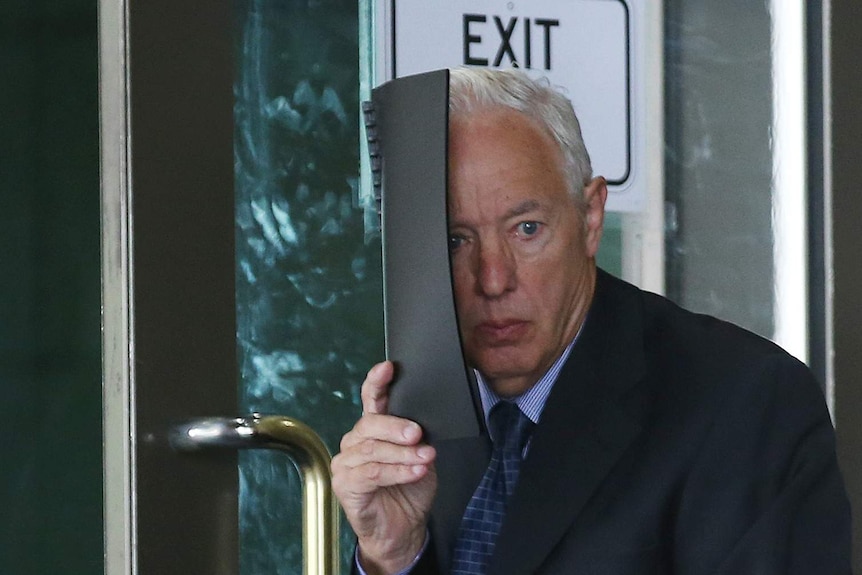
<point x="484" y="513"/>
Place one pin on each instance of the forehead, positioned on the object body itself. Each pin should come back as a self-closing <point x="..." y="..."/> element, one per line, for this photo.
<point x="500" y="126"/>
<point x="502" y="155"/>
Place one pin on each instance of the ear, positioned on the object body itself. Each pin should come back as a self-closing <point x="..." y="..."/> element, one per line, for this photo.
<point x="595" y="195"/>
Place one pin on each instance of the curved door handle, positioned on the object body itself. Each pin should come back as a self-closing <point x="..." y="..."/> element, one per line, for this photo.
<point x="308" y="452"/>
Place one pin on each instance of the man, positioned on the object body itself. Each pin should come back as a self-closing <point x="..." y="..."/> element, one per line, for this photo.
<point x="661" y="442"/>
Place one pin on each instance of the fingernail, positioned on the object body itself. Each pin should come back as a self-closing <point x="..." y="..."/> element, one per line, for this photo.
<point x="418" y="469"/>
<point x="425" y="452"/>
<point x="412" y="431"/>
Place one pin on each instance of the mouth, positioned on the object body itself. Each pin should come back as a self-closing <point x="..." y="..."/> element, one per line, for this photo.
<point x="501" y="332"/>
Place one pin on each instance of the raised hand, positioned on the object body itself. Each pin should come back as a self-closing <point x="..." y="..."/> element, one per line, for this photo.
<point x="384" y="478"/>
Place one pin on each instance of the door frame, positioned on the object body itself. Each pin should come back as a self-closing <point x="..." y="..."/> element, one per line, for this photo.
<point x="168" y="282"/>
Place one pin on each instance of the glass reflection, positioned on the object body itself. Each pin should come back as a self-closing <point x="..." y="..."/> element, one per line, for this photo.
<point x="309" y="303"/>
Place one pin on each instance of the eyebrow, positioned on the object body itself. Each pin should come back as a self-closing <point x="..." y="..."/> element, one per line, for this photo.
<point x="524" y="207"/>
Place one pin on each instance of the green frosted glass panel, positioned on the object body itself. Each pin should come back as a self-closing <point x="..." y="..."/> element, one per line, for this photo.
<point x="610" y="256"/>
<point x="50" y="341"/>
<point x="308" y="280"/>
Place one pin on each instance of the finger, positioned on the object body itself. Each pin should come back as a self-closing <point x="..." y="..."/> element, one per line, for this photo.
<point x="383" y="428"/>
<point x="386" y="453"/>
<point x="372" y="476"/>
<point x="375" y="388"/>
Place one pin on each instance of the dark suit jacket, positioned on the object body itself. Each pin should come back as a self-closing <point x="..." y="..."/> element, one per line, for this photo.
<point x="671" y="443"/>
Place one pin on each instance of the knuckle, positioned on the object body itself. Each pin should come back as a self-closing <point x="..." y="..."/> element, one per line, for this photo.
<point x="336" y="484"/>
<point x="374" y="472"/>
<point x="336" y="465"/>
<point x="367" y="448"/>
<point x="346" y="441"/>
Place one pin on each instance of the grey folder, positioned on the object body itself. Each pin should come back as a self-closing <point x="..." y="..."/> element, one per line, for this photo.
<point x="406" y="126"/>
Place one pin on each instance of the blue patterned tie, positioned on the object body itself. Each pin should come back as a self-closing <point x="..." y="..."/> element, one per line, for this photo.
<point x="484" y="513"/>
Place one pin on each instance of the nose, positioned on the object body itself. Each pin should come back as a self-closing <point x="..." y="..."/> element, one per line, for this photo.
<point x="496" y="269"/>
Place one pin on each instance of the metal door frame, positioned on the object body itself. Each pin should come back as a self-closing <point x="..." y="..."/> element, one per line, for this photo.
<point x="842" y="124"/>
<point x="168" y="281"/>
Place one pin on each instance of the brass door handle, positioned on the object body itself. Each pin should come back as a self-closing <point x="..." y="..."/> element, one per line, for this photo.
<point x="308" y="452"/>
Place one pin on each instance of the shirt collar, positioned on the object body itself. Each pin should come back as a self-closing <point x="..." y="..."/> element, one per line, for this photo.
<point x="532" y="401"/>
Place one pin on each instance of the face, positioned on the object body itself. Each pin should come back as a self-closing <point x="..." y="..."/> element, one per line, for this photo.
<point x="522" y="254"/>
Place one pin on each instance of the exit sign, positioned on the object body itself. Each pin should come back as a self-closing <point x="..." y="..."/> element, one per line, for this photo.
<point x="591" y="49"/>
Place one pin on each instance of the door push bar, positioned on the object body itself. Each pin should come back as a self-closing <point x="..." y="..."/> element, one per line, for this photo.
<point x="310" y="455"/>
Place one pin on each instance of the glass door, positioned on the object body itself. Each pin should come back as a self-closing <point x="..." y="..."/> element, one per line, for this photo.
<point x="238" y="277"/>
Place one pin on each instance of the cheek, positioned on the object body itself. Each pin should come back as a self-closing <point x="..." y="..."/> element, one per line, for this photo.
<point x="462" y="280"/>
<point x="553" y="284"/>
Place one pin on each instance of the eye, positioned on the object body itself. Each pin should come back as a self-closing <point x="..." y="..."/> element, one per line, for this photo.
<point x="455" y="242"/>
<point x="528" y="228"/>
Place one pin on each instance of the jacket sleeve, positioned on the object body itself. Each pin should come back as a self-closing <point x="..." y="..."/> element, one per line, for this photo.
<point x="766" y="495"/>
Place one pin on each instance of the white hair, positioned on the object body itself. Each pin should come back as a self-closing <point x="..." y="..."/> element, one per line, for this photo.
<point x="474" y="89"/>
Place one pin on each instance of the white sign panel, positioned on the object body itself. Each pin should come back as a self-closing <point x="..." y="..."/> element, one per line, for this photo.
<point x="590" y="49"/>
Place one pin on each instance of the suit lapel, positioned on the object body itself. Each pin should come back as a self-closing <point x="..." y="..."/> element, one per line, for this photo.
<point x="582" y="433"/>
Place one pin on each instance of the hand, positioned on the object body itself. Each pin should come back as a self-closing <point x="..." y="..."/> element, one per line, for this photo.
<point x="385" y="479"/>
